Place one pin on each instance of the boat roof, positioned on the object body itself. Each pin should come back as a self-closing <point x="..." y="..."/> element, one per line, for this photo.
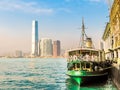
<point x="83" y="49"/>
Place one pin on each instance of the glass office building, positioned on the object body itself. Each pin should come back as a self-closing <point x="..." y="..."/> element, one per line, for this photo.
<point x="34" y="38"/>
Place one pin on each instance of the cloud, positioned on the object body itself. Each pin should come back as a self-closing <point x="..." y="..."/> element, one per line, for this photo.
<point x="19" y="5"/>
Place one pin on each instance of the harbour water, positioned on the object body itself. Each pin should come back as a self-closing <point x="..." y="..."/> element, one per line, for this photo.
<point x="41" y="74"/>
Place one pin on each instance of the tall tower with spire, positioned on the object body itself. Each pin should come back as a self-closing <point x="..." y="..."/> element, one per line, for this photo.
<point x="34" y="38"/>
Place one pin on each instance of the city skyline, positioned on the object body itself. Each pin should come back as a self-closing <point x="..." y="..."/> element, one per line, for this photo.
<point x="57" y="20"/>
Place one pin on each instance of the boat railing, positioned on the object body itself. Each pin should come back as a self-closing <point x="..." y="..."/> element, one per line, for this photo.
<point x="80" y="65"/>
<point x="88" y="66"/>
<point x="84" y="58"/>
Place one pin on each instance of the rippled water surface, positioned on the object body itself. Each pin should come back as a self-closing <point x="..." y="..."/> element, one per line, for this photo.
<point x="40" y="74"/>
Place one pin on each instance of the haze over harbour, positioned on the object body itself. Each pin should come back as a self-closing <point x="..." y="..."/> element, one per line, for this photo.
<point x="59" y="19"/>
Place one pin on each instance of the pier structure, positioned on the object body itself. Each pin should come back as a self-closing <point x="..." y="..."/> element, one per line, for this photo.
<point x="111" y="38"/>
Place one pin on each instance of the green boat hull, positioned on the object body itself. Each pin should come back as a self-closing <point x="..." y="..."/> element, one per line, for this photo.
<point x="84" y="77"/>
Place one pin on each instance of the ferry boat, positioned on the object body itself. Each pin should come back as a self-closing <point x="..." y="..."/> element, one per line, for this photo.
<point x="85" y="63"/>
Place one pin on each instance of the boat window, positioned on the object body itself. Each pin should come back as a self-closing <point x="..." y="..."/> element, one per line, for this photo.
<point x="87" y="65"/>
<point x="78" y="65"/>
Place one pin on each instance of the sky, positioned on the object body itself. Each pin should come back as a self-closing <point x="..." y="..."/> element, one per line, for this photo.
<point x="57" y="19"/>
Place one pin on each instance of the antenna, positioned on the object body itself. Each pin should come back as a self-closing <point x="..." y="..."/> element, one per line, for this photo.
<point x="83" y="31"/>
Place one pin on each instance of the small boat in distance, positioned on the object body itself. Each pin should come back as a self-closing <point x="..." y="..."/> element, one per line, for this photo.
<point x="85" y="64"/>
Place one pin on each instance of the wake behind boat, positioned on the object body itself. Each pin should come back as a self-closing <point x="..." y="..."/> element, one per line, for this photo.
<point x="85" y="64"/>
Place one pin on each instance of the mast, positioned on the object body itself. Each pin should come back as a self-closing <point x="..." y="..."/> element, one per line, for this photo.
<point x="83" y="33"/>
<point x="85" y="41"/>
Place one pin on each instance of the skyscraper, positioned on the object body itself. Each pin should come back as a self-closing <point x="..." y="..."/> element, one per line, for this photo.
<point x="56" y="48"/>
<point x="46" y="47"/>
<point x="34" y="38"/>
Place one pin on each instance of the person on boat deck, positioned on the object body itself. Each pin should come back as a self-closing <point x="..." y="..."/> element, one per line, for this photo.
<point x="80" y="57"/>
<point x="96" y="68"/>
<point x="71" y="58"/>
<point x="74" y="57"/>
<point x="93" y="57"/>
<point x="96" y="58"/>
<point x="87" y="56"/>
<point x="76" y="68"/>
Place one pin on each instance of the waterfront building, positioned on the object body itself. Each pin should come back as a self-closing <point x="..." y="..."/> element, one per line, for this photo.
<point x="111" y="39"/>
<point x="27" y="54"/>
<point x="39" y="52"/>
<point x="107" y="42"/>
<point x="56" y="48"/>
<point x="115" y="29"/>
<point x="18" y="54"/>
<point x="46" y="47"/>
<point x="101" y="46"/>
<point x="111" y="36"/>
<point x="34" y="38"/>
